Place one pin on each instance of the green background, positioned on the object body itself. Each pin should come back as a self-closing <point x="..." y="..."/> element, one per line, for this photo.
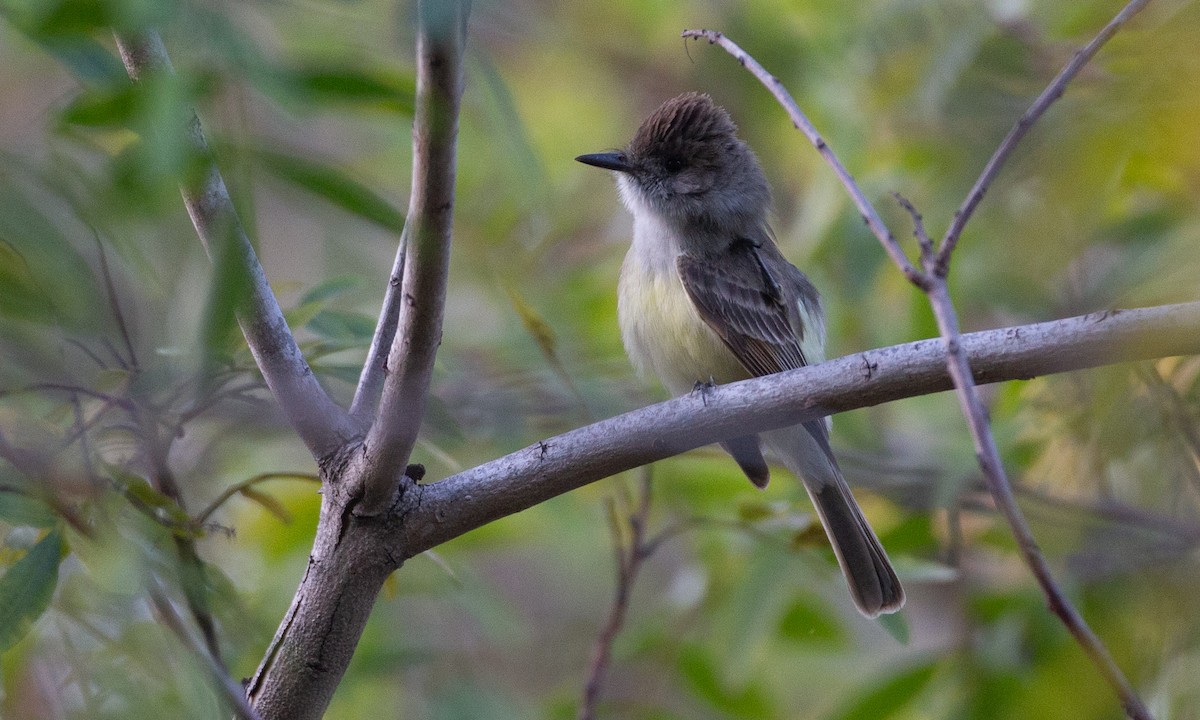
<point x="742" y="614"/>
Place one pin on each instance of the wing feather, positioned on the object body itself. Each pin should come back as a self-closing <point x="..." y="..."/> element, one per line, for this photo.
<point x="747" y="308"/>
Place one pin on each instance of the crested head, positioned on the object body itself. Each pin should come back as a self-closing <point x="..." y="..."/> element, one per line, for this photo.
<point x="687" y="164"/>
<point x="686" y="125"/>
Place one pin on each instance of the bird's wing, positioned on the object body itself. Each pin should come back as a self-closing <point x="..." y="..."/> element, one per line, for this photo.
<point x="748" y="308"/>
<point x="759" y="318"/>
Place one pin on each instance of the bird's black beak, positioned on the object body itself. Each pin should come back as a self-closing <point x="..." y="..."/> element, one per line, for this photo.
<point x="607" y="160"/>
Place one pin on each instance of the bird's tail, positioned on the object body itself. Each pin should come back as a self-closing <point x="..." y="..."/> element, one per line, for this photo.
<point x="804" y="449"/>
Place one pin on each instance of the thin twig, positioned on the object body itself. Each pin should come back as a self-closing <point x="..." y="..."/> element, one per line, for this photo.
<point x="1177" y="413"/>
<point x="230" y="689"/>
<point x="111" y="288"/>
<point x="85" y="448"/>
<point x="630" y="555"/>
<point x="1001" y="490"/>
<point x="191" y="567"/>
<point x="1052" y="93"/>
<point x="370" y="381"/>
<point x="239" y="487"/>
<point x="865" y="209"/>
<point x="71" y="390"/>
<point x="321" y="424"/>
<point x="440" y="42"/>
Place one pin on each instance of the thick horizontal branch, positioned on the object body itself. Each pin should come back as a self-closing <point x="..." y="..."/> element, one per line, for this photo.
<point x="463" y="502"/>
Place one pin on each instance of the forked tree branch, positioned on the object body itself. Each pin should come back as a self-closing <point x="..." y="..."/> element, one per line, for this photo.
<point x="932" y="280"/>
<point x="426" y="261"/>
<point x="321" y="423"/>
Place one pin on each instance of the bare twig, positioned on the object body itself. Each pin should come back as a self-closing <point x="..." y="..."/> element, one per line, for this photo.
<point x="865" y="209"/>
<point x="111" y="288"/>
<point x="191" y="567"/>
<point x="630" y="555"/>
<point x="1176" y="412"/>
<point x="322" y="425"/>
<point x="236" y="488"/>
<point x="229" y="689"/>
<point x="370" y="381"/>
<point x="426" y="262"/>
<point x="1052" y="93"/>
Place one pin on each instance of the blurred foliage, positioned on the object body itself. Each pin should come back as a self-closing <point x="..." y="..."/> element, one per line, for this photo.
<point x="118" y="359"/>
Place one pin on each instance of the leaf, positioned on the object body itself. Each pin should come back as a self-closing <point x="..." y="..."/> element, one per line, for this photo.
<point x="26" y="589"/>
<point x="335" y="186"/>
<point x="342" y="325"/>
<point x="896" y="625"/>
<point x="103" y="107"/>
<point x="331" y="288"/>
<point x="350" y="85"/>
<point x="810" y="621"/>
<point x="162" y="509"/>
<point x="345" y="373"/>
<point x="700" y="672"/>
<point x="534" y="323"/>
<point x="230" y="288"/>
<point x="893" y="696"/>
<point x="19" y="509"/>
<point x="90" y="61"/>
<point x="43" y="278"/>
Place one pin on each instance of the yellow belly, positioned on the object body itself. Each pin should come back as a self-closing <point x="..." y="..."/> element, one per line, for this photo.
<point x="664" y="336"/>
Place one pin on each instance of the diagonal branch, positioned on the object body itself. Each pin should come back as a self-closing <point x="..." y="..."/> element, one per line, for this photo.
<point x="370" y="381"/>
<point x="426" y="261"/>
<point x="801" y="122"/>
<point x="228" y="688"/>
<point x="1052" y="93"/>
<point x="321" y="424"/>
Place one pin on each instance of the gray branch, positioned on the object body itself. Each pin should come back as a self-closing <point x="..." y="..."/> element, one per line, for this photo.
<point x="444" y="510"/>
<point x="322" y="425"/>
<point x="426" y="262"/>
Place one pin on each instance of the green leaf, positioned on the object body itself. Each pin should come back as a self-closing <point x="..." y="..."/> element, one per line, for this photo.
<point x="229" y="290"/>
<point x="896" y="625"/>
<point x="809" y="620"/>
<point x="162" y="509"/>
<point x="335" y="186"/>
<point x="43" y="277"/>
<point x="379" y="88"/>
<point x="115" y="105"/>
<point x="345" y="373"/>
<point x="26" y="589"/>
<point x="91" y="62"/>
<point x="701" y="674"/>
<point x="331" y="288"/>
<point x="341" y="325"/>
<point x="19" y="509"/>
<point x="893" y="696"/>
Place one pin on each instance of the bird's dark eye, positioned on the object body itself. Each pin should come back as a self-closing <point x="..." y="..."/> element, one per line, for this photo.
<point x="673" y="164"/>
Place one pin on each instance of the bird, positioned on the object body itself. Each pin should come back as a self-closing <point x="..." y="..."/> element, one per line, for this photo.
<point x="705" y="295"/>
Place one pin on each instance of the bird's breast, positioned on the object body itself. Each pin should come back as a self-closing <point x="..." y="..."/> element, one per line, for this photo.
<point x="664" y="336"/>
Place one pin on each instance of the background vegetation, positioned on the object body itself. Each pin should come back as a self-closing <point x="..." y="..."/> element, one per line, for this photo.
<point x="114" y="330"/>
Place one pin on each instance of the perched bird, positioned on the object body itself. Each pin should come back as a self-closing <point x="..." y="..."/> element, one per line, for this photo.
<point x="705" y="295"/>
